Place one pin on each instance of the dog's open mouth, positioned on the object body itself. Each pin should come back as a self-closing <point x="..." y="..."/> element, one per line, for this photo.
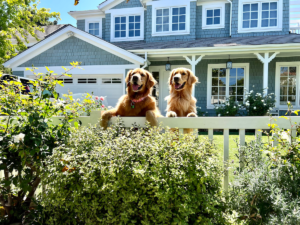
<point x="179" y="86"/>
<point x="136" y="87"/>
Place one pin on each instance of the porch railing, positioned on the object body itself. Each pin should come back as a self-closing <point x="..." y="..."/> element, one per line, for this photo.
<point x="210" y="123"/>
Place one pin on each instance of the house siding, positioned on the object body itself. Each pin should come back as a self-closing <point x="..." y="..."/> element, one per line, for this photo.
<point x="130" y="4"/>
<point x="74" y="49"/>
<point x="107" y="20"/>
<point x="285" y="22"/>
<point x="208" y="33"/>
<point x="81" y="24"/>
<point x="18" y="73"/>
<point x="191" y="36"/>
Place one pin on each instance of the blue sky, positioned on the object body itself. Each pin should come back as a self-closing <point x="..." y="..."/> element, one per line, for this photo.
<point x="65" y="6"/>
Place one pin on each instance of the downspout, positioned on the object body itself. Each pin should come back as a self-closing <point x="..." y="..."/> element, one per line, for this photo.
<point x="230" y="16"/>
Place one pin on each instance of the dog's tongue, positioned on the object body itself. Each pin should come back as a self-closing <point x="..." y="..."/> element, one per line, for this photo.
<point x="135" y="87"/>
<point x="177" y="86"/>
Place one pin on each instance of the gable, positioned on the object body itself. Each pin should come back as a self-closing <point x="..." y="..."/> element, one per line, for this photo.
<point x="74" y="49"/>
<point x="130" y="4"/>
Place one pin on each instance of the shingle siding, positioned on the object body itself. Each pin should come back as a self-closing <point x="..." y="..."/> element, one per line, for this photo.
<point x="130" y="4"/>
<point x="285" y="22"/>
<point x="18" y="73"/>
<point x="74" y="49"/>
<point x="81" y="24"/>
<point x="107" y="20"/>
<point x="208" y="33"/>
<point x="191" y="36"/>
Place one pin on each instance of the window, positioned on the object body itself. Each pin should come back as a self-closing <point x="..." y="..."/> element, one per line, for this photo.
<point x="66" y="81"/>
<point x="223" y="83"/>
<point x="94" y="29"/>
<point x="260" y="16"/>
<point x="111" y="81"/>
<point x="170" y="17"/>
<point x="287" y="84"/>
<point x="127" y="24"/>
<point x="87" y="81"/>
<point x="213" y="16"/>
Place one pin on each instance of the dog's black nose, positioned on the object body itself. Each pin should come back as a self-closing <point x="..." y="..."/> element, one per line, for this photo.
<point x="176" y="79"/>
<point x="135" y="79"/>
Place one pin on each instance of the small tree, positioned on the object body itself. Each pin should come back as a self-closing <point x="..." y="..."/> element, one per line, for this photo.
<point x="27" y="136"/>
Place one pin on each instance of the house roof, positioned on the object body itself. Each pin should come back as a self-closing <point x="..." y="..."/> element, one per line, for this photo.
<point x="212" y="42"/>
<point x="63" y="30"/>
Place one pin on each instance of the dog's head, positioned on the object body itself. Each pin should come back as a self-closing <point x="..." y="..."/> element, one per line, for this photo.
<point x="182" y="78"/>
<point x="139" y="80"/>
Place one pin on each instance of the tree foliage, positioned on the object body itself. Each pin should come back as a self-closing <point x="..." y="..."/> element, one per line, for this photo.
<point x="18" y="19"/>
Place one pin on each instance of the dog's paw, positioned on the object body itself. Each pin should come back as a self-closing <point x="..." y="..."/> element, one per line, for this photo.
<point x="192" y="115"/>
<point x="171" y="114"/>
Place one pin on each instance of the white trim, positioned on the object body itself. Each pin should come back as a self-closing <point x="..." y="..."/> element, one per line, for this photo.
<point x="109" y="4"/>
<point x="212" y="6"/>
<point x="94" y="20"/>
<point x="170" y="4"/>
<point x="137" y="11"/>
<point x="61" y="36"/>
<point x="246" y="66"/>
<point x="277" y="84"/>
<point x="86" y="14"/>
<point x="259" y="28"/>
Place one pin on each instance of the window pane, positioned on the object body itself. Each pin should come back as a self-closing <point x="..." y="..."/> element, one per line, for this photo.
<point x="215" y="81"/>
<point x="214" y="91"/>
<point x="264" y="23"/>
<point x="166" y="12"/>
<point x="175" y="11"/>
<point x="117" y="34"/>
<point x="273" y="14"/>
<point x="292" y="71"/>
<point x="174" y="27"/>
<point x="273" y="22"/>
<point x="246" y="24"/>
<point x="222" y="91"/>
<point x="175" y="19"/>
<point x="217" y="12"/>
<point x="254" y="7"/>
<point x="273" y="5"/>
<point x="159" y="12"/>
<point x="123" y="26"/>
<point x="158" y="20"/>
<point x="137" y="26"/>
<point x="217" y="20"/>
<point x="182" y="19"/>
<point x="265" y="14"/>
<point x="158" y="28"/>
<point x="166" y="20"/>
<point x="265" y="6"/>
<point x="292" y="99"/>
<point x="246" y="8"/>
<point x="209" y="13"/>
<point x="233" y="72"/>
<point x="292" y="90"/>
<point x="96" y="32"/>
<point x="284" y="71"/>
<point x="240" y="81"/>
<point x="123" y="19"/>
<point x="223" y="72"/>
<point x="166" y="27"/>
<point x="209" y="21"/>
<point x="182" y="26"/>
<point x="222" y="81"/>
<point x="283" y="90"/>
<point x="131" y="19"/>
<point x="182" y="10"/>
<point x="215" y="72"/>
<point x="131" y="33"/>
<point x="91" y="26"/>
<point x="117" y="20"/>
<point x="232" y="91"/>
<point x="253" y="23"/>
<point x="137" y="18"/>
<point x="137" y="33"/>
<point x="240" y="91"/>
<point x="96" y="26"/>
<point x="254" y="15"/>
<point x="246" y="16"/>
<point x="123" y="33"/>
<point x="131" y="26"/>
<point x="250" y="15"/>
<point x="232" y="82"/>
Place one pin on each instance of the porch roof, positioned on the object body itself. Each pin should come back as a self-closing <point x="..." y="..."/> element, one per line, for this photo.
<point x="212" y="42"/>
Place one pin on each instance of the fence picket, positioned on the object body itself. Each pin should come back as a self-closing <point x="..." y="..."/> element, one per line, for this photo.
<point x="258" y="135"/>
<point x="293" y="134"/>
<point x="211" y="134"/>
<point x="275" y="139"/>
<point x="226" y="158"/>
<point x="242" y="133"/>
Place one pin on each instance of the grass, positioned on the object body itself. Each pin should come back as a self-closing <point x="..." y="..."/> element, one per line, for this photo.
<point x="233" y="147"/>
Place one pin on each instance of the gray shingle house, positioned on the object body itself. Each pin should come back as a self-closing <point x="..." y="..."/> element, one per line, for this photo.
<point x="198" y="34"/>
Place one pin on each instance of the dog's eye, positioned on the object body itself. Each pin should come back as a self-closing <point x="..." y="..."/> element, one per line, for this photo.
<point x="143" y="75"/>
<point x="183" y="74"/>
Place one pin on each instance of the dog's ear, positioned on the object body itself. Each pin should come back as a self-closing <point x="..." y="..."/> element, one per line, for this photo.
<point x="151" y="81"/>
<point x="171" y="77"/>
<point x="192" y="78"/>
<point x="127" y="79"/>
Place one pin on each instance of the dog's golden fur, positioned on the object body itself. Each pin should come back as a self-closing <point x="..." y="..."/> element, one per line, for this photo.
<point x="181" y="103"/>
<point x="139" y="85"/>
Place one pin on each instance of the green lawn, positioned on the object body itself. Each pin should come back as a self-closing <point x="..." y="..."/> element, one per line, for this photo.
<point x="233" y="148"/>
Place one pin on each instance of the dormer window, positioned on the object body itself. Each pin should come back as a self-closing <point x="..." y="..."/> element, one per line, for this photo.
<point x="260" y="16"/>
<point x="94" y="29"/>
<point x="213" y="15"/>
<point x="127" y="24"/>
<point x="94" y="26"/>
<point x="170" y="17"/>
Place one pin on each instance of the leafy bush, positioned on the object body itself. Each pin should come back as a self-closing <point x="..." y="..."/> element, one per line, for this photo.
<point x="259" y="104"/>
<point x="229" y="108"/>
<point x="132" y="176"/>
<point x="267" y="191"/>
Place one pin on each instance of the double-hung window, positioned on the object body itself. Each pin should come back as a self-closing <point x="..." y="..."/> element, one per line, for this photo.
<point x="260" y="15"/>
<point x="127" y="24"/>
<point x="224" y="83"/>
<point x="170" y="17"/>
<point x="94" y="26"/>
<point x="287" y="84"/>
<point x="94" y="29"/>
<point x="213" y="15"/>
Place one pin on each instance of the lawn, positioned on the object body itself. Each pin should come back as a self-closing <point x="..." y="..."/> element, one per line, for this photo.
<point x="233" y="148"/>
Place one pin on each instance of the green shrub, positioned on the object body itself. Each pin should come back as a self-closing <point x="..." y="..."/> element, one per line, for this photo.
<point x="267" y="191"/>
<point x="132" y="177"/>
<point x="229" y="108"/>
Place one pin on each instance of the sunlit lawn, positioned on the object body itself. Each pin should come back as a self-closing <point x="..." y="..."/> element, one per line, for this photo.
<point x="233" y="148"/>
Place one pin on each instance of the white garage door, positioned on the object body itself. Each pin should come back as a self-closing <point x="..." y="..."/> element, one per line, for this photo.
<point x="109" y="87"/>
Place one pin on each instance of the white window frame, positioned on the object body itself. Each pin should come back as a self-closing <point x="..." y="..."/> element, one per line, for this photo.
<point x="213" y="6"/>
<point x="277" y="84"/>
<point x="171" y="4"/>
<point x="246" y="66"/>
<point x="94" y="20"/>
<point x="111" y="78"/>
<point x="137" y="11"/>
<point x="260" y="28"/>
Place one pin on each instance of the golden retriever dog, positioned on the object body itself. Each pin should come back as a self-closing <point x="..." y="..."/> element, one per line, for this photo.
<point x="137" y="102"/>
<point x="181" y="103"/>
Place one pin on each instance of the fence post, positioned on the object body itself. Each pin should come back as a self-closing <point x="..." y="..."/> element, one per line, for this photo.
<point x="293" y="135"/>
<point x="242" y="145"/>
<point x="95" y="117"/>
<point x="226" y="158"/>
<point x="210" y="134"/>
<point x="275" y="139"/>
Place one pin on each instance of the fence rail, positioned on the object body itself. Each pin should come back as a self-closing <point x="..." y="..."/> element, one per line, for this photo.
<point x="209" y="123"/>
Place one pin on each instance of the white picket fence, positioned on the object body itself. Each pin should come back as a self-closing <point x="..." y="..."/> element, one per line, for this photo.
<point x="210" y="123"/>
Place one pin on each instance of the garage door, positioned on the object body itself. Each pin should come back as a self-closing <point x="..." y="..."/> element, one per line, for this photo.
<point x="109" y="87"/>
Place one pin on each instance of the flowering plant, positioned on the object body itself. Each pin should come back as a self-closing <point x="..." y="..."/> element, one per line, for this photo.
<point x="258" y="104"/>
<point x="229" y="108"/>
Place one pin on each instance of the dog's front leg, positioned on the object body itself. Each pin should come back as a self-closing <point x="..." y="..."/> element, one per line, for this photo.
<point x="106" y="116"/>
<point x="171" y="114"/>
<point x="151" y="118"/>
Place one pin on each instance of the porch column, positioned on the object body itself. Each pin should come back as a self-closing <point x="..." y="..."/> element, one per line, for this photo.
<point x="193" y="62"/>
<point x="266" y="59"/>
